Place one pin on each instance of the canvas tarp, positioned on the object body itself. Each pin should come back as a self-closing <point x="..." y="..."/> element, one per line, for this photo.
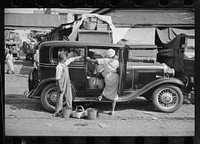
<point x="188" y="32"/>
<point x="176" y="46"/>
<point x="137" y="36"/>
<point x="117" y="33"/>
<point x="168" y="34"/>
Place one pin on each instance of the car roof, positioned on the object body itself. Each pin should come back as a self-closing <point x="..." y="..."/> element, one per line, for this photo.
<point x="78" y="43"/>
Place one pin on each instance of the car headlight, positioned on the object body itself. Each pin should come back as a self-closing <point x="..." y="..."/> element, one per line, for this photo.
<point x="168" y="71"/>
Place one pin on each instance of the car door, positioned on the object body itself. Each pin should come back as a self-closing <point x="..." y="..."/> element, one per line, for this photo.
<point x="77" y="69"/>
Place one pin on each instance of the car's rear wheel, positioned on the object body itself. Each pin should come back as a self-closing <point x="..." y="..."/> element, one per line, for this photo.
<point x="167" y="98"/>
<point x="48" y="97"/>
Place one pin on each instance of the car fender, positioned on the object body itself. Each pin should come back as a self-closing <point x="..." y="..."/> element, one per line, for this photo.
<point x="41" y="86"/>
<point x="30" y="75"/>
<point x="151" y="86"/>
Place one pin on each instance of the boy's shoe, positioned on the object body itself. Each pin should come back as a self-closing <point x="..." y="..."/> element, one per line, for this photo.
<point x="111" y="113"/>
<point x="56" y="114"/>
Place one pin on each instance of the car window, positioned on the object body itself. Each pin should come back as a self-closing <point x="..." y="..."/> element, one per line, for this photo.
<point x="70" y="52"/>
<point x="100" y="52"/>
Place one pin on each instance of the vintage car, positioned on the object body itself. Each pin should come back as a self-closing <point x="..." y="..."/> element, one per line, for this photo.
<point x="154" y="81"/>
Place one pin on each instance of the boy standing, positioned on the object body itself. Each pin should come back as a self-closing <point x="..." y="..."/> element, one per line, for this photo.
<point x="63" y="82"/>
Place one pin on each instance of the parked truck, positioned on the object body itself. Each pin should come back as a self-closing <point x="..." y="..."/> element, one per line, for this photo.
<point x="179" y="54"/>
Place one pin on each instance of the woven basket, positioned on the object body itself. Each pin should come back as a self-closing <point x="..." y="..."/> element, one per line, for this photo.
<point x="79" y="114"/>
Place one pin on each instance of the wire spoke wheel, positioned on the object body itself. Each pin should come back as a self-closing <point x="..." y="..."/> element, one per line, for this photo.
<point x="49" y="95"/>
<point x="167" y="98"/>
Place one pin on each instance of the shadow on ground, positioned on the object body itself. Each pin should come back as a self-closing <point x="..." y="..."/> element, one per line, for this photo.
<point x="136" y="104"/>
<point x="21" y="102"/>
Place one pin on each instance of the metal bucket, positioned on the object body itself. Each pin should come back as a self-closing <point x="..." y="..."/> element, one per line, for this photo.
<point x="66" y="112"/>
<point x="92" y="113"/>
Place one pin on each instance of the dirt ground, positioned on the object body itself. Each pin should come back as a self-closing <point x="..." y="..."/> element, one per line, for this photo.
<point x="27" y="117"/>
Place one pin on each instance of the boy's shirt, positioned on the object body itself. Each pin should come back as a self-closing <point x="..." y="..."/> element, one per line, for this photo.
<point x="59" y="67"/>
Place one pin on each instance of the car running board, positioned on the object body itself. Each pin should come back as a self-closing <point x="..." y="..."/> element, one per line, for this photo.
<point x="90" y="99"/>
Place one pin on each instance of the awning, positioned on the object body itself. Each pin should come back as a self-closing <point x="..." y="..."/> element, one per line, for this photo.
<point x="137" y="36"/>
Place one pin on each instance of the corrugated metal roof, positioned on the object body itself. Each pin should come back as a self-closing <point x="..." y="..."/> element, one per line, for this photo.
<point x="152" y="18"/>
<point x="33" y="20"/>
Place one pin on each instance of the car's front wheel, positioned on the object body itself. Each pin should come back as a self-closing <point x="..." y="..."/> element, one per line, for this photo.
<point x="167" y="98"/>
<point x="48" y="97"/>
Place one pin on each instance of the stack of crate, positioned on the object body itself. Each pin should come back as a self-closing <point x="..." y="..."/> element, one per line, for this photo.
<point x="101" y="25"/>
<point x="95" y="30"/>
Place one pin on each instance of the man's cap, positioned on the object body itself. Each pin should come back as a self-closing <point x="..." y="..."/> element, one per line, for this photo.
<point x="110" y="52"/>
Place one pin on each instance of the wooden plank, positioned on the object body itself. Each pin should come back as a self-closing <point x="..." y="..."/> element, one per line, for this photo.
<point x="95" y="36"/>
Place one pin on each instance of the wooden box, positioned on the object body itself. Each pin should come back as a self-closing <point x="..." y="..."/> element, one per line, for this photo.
<point x="95" y="36"/>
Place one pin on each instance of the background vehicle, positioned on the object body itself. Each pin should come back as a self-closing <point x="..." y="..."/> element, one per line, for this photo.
<point x="180" y="55"/>
<point x="29" y="48"/>
<point x="152" y="80"/>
